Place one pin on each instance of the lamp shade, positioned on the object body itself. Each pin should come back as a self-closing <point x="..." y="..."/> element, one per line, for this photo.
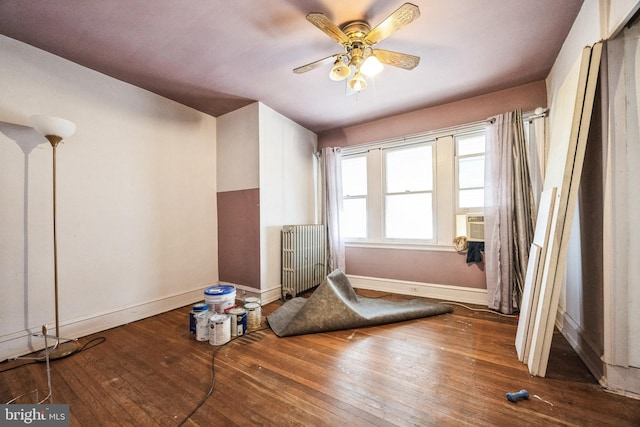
<point x="371" y="66"/>
<point x="340" y="70"/>
<point x="357" y="82"/>
<point x="49" y="125"/>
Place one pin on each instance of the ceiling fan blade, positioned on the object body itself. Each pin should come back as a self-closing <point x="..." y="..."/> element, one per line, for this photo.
<point x="398" y="19"/>
<point x="401" y="60"/>
<point x="328" y="27"/>
<point x="316" y="64"/>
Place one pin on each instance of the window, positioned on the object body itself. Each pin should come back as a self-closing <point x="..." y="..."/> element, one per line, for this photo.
<point x="413" y="191"/>
<point x="470" y="171"/>
<point x="354" y="197"/>
<point x="408" y="201"/>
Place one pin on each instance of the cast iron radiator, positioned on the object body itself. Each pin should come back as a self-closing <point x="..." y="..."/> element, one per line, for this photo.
<point x="304" y="258"/>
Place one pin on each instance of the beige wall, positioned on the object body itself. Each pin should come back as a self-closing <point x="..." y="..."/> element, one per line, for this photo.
<point x="137" y="230"/>
<point x="265" y="180"/>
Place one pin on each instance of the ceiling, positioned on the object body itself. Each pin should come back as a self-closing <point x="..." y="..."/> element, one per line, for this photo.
<point x="219" y="55"/>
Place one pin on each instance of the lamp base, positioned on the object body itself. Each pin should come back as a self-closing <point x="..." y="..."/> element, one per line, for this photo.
<point x="63" y="349"/>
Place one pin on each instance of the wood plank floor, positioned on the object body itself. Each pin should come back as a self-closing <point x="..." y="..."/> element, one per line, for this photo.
<point x="452" y="369"/>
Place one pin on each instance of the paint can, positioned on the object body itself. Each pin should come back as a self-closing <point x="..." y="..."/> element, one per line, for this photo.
<point x="254" y="315"/>
<point x="219" y="329"/>
<point x="220" y="298"/>
<point x="238" y="319"/>
<point x="202" y="326"/>
<point x="197" y="308"/>
<point x="248" y="300"/>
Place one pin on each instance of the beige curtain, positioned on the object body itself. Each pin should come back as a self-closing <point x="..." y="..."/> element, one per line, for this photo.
<point x="331" y="170"/>
<point x="509" y="212"/>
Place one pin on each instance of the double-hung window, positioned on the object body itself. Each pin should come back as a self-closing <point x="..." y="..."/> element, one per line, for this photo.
<point x="354" y="197"/>
<point x="470" y="171"/>
<point x="414" y="191"/>
<point x="408" y="192"/>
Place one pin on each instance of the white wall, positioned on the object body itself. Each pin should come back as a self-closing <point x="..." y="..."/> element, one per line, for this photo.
<point x="238" y="149"/>
<point x="137" y="227"/>
<point x="598" y="20"/>
<point x="287" y="187"/>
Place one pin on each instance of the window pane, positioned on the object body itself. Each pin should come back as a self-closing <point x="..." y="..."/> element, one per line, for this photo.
<point x="471" y="198"/>
<point x="354" y="176"/>
<point x="471" y="144"/>
<point x="409" y="169"/>
<point x="471" y="172"/>
<point x="354" y="218"/>
<point x="409" y="216"/>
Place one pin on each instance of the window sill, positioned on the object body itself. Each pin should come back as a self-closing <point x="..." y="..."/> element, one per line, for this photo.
<point x="431" y="247"/>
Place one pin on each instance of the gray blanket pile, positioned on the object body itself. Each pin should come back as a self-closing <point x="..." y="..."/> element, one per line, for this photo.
<point x="335" y="306"/>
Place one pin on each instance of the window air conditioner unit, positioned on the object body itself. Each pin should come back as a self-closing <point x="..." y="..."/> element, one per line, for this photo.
<point x="475" y="227"/>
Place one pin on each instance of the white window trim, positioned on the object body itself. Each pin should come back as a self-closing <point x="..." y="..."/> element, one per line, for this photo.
<point x="444" y="202"/>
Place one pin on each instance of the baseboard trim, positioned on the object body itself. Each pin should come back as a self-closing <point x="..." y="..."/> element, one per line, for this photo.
<point x="581" y="343"/>
<point x="427" y="290"/>
<point x="22" y="342"/>
<point x="266" y="296"/>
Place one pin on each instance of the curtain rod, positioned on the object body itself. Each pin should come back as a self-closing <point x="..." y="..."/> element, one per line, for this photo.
<point x="433" y="134"/>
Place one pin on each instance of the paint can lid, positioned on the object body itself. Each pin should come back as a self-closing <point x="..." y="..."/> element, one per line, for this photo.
<point x="201" y="306"/>
<point x="219" y="290"/>
<point x="218" y="318"/>
<point x="237" y="310"/>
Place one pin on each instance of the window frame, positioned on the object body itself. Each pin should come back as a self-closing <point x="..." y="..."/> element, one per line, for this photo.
<point x="385" y="192"/>
<point x="445" y="197"/>
<point x="474" y="209"/>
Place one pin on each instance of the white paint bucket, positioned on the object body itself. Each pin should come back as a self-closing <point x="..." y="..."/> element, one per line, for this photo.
<point x="219" y="329"/>
<point x="202" y="325"/>
<point x="220" y="298"/>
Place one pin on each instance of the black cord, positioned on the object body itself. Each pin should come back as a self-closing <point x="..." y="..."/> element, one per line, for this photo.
<point x="86" y="346"/>
<point x="213" y="373"/>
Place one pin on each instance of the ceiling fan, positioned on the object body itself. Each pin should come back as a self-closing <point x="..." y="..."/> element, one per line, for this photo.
<point x="358" y="41"/>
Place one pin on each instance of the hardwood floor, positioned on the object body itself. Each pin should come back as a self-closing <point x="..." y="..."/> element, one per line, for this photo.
<point x="452" y="369"/>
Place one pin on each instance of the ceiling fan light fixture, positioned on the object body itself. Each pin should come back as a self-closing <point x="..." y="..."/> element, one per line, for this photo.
<point x="340" y="70"/>
<point x="357" y="82"/>
<point x="371" y="66"/>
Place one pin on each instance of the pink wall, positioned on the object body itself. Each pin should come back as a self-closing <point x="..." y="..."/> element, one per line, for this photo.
<point x="437" y="267"/>
<point x="239" y="237"/>
<point x="526" y="97"/>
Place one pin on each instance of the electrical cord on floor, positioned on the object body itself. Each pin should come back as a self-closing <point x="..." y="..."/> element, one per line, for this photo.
<point x="451" y="303"/>
<point x="31" y="360"/>
<point x="213" y="373"/>
<point x="484" y="310"/>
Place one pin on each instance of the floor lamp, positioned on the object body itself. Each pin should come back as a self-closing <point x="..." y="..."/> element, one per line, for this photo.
<point x="55" y="130"/>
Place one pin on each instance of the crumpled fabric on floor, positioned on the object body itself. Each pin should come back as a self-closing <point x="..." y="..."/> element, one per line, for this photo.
<point x="334" y="306"/>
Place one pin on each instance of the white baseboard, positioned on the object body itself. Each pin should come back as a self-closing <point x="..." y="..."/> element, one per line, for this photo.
<point x="266" y="296"/>
<point x="581" y="343"/>
<point x="427" y="290"/>
<point x="22" y="342"/>
<point x="623" y="380"/>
